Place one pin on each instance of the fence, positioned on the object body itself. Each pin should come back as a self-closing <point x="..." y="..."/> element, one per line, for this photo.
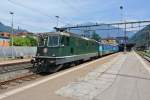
<point x="17" y="51"/>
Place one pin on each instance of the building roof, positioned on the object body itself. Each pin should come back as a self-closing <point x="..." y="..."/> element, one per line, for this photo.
<point x="5" y="34"/>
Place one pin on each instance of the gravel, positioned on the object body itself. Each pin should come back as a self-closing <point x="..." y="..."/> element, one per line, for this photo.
<point x="13" y="75"/>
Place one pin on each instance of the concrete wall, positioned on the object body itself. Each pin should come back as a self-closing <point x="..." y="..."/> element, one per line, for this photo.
<point x="17" y="51"/>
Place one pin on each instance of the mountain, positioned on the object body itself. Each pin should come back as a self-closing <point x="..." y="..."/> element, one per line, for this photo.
<point x="142" y="37"/>
<point x="4" y="28"/>
<point x="102" y="30"/>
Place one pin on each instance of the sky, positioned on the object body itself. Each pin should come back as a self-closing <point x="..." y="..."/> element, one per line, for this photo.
<point x="39" y="15"/>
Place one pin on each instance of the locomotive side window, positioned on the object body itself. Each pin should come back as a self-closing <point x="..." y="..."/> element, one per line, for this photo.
<point x="65" y="41"/>
<point x="68" y="40"/>
<point x="72" y="51"/>
<point x="53" y="41"/>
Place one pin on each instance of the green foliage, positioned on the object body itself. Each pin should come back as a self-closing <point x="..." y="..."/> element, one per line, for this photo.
<point x="24" y="41"/>
<point x="95" y="36"/>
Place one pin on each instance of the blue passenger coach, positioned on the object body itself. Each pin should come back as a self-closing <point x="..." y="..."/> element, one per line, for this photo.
<point x="105" y="49"/>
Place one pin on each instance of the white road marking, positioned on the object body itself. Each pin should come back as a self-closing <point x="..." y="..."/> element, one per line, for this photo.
<point x="15" y="91"/>
<point x="143" y="62"/>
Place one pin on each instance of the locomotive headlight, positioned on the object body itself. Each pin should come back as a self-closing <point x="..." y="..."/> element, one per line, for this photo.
<point x="45" y="50"/>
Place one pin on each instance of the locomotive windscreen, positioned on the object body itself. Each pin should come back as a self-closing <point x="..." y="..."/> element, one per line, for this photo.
<point x="53" y="41"/>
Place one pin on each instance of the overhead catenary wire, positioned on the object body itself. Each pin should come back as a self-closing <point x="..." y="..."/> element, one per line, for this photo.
<point x="19" y="23"/>
<point x="37" y="11"/>
<point x="29" y="8"/>
<point x="71" y="6"/>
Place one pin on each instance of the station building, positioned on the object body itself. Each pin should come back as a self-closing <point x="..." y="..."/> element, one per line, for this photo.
<point x="4" y="39"/>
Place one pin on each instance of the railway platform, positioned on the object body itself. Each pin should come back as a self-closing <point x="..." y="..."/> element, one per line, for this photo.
<point x="17" y="61"/>
<point x="115" y="77"/>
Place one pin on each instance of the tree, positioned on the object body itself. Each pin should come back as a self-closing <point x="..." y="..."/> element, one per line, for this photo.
<point x="33" y="41"/>
<point x="24" y="41"/>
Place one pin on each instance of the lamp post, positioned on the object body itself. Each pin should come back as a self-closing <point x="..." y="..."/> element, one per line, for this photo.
<point x="125" y="33"/>
<point x="121" y="9"/>
<point x="12" y="30"/>
<point x="57" y="19"/>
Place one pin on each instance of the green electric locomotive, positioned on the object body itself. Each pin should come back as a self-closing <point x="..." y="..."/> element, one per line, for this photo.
<point x="56" y="49"/>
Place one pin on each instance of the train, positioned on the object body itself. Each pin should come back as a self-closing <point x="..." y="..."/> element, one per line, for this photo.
<point x="56" y="49"/>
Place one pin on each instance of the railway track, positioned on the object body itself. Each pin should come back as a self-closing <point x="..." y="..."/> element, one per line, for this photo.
<point x="14" y="67"/>
<point x="145" y="56"/>
<point x="16" y="73"/>
<point x="19" y="80"/>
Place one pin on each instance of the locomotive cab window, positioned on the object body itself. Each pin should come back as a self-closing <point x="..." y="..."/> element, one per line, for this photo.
<point x="65" y="41"/>
<point x="53" y="41"/>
